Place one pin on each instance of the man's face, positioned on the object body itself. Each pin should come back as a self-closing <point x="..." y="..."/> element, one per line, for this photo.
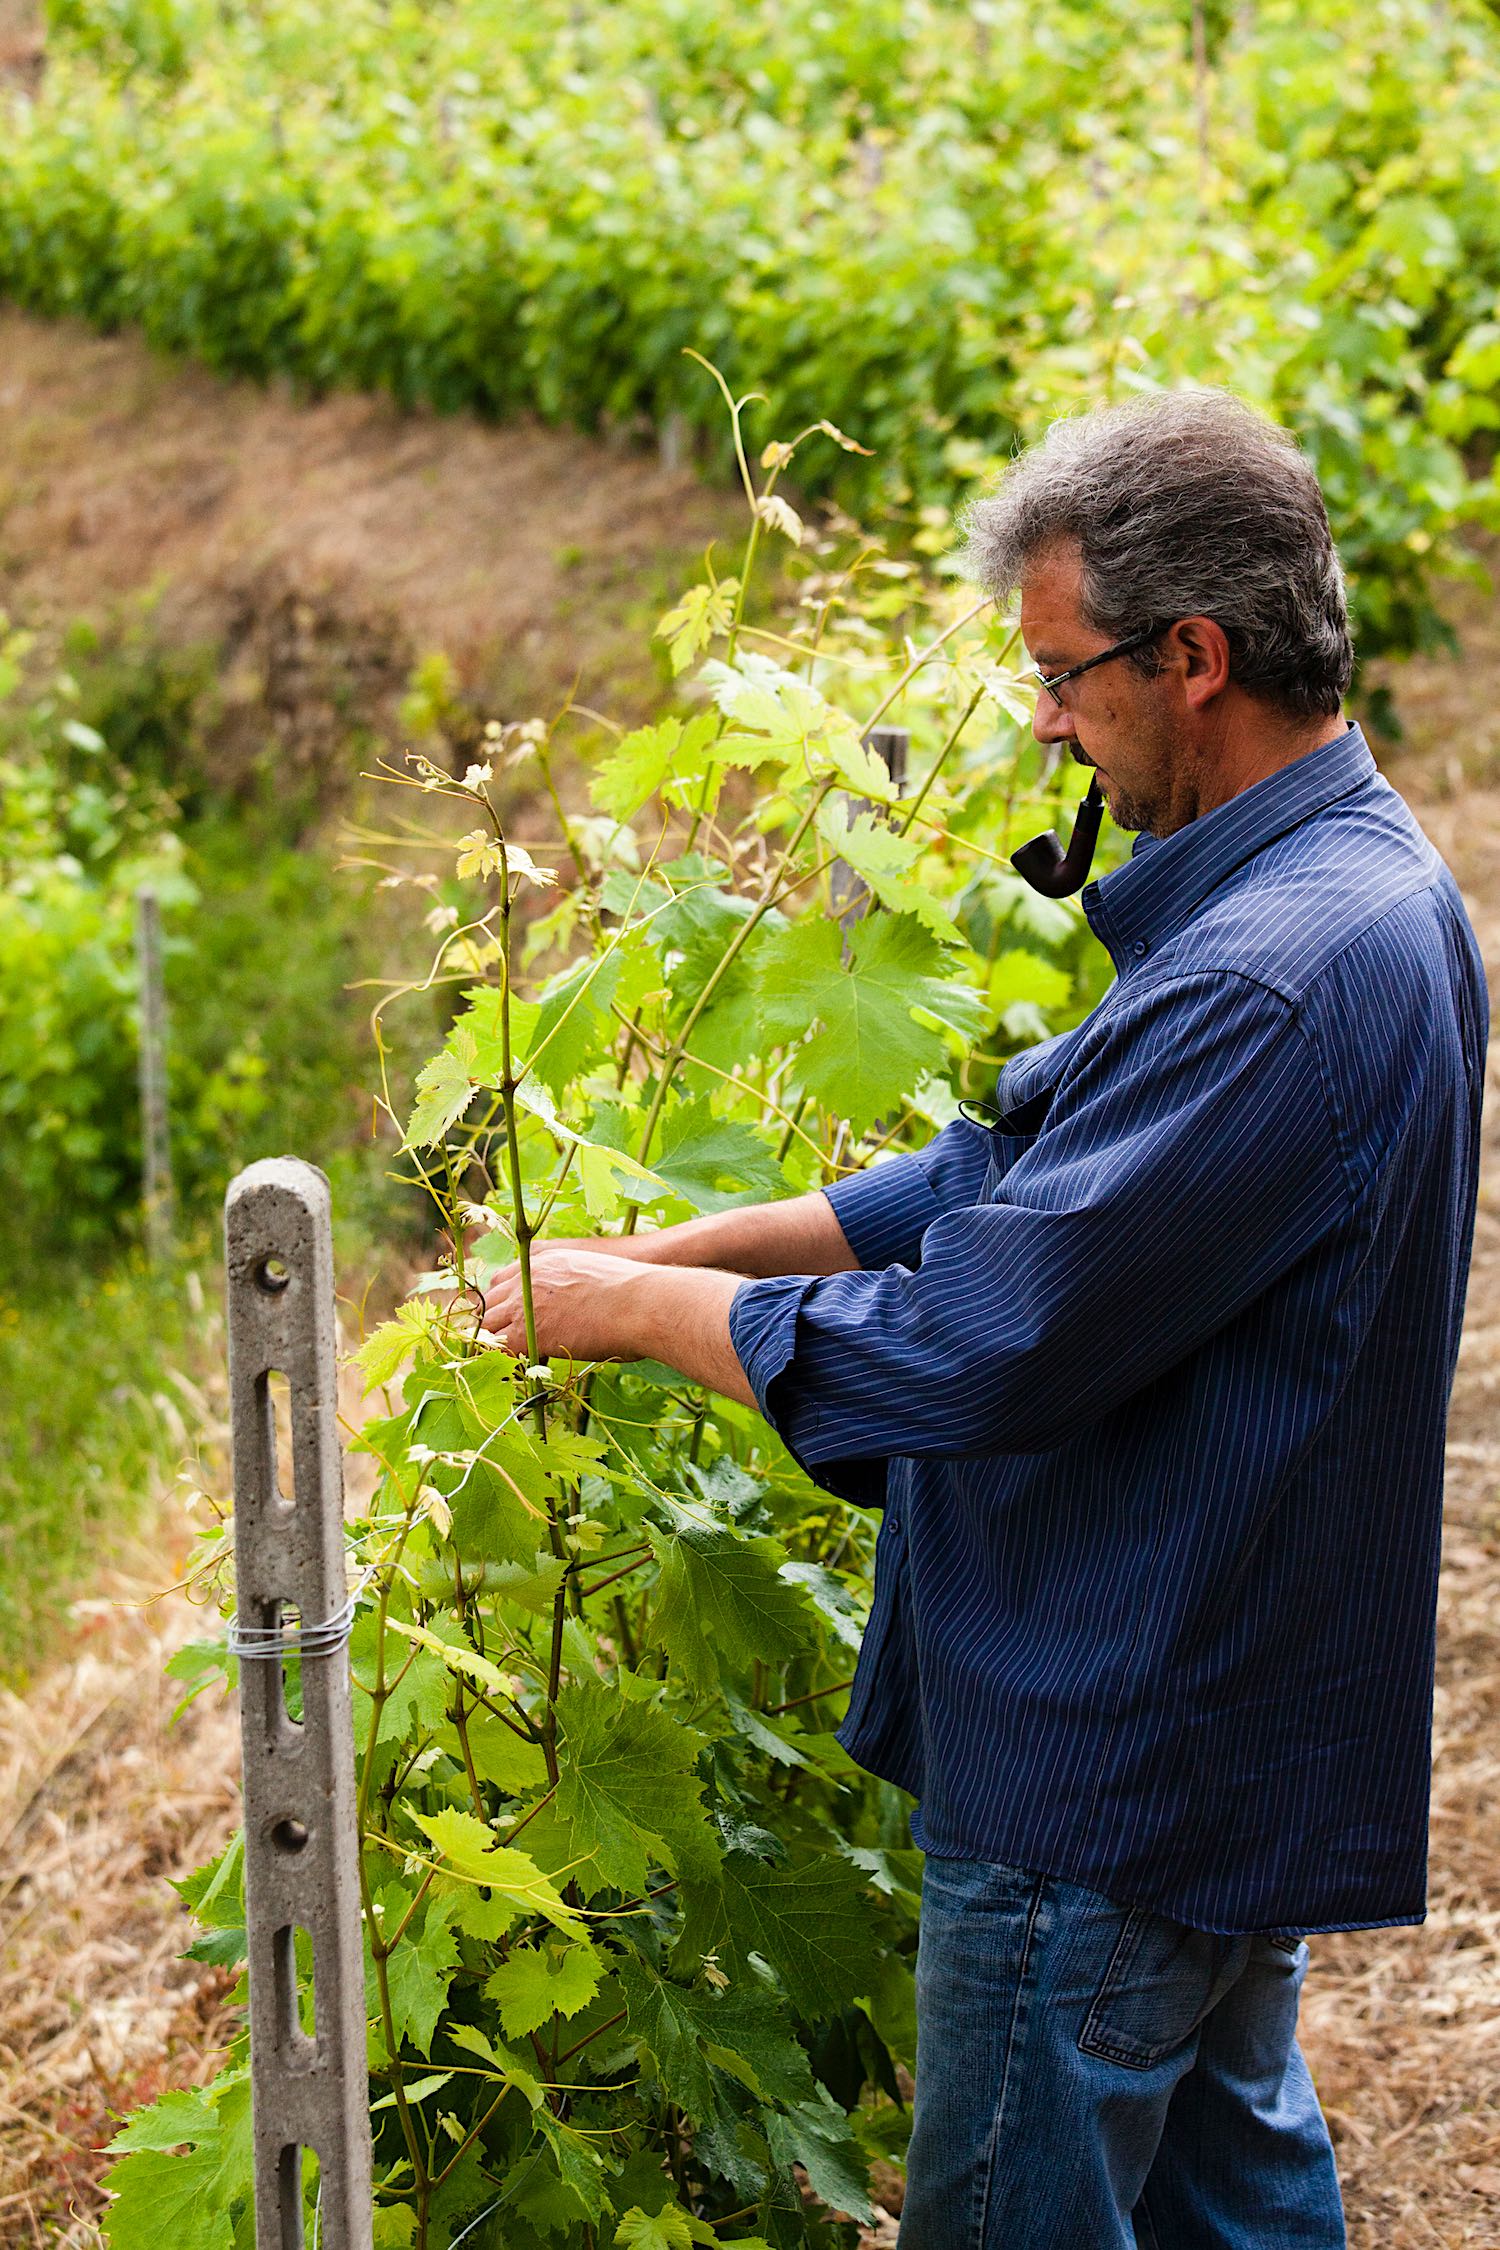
<point x="1126" y="726"/>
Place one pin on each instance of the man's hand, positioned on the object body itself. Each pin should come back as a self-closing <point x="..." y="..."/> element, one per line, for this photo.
<point x="590" y="1303"/>
<point x="580" y="1295"/>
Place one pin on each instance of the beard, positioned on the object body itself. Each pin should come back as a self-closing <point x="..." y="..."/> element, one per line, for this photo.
<point x="1145" y="803"/>
<point x="1134" y="813"/>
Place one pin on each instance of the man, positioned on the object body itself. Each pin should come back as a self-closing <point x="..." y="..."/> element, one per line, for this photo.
<point x="1152" y="1378"/>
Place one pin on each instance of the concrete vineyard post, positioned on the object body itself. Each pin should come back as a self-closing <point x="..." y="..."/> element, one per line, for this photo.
<point x="301" y="1833"/>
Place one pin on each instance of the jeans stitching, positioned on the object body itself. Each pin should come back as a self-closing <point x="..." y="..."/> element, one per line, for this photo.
<point x="985" y="2181"/>
<point x="1094" y="2039"/>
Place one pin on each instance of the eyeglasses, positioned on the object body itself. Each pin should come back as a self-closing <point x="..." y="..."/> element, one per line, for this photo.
<point x="1055" y="680"/>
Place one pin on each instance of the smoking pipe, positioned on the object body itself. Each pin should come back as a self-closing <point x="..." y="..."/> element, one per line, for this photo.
<point x="1047" y="867"/>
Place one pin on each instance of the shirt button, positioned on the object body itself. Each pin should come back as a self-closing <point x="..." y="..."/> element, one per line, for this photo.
<point x="1140" y="949"/>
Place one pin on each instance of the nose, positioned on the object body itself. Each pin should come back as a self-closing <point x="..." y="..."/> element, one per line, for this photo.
<point x="1052" y="721"/>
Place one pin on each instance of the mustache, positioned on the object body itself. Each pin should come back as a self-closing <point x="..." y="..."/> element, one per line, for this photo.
<point x="1080" y="756"/>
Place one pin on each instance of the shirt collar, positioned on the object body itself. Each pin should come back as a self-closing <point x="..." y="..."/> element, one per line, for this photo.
<point x="1135" y="907"/>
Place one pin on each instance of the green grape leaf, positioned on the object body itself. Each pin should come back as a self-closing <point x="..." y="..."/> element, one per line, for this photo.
<point x="478" y="1035"/>
<point x="476" y="2041"/>
<point x="715" y="1162"/>
<point x="533" y="1589"/>
<point x="497" y="1502"/>
<point x="883" y="859"/>
<point x="419" y="1683"/>
<point x="574" y="1023"/>
<point x="893" y="2007"/>
<point x="456" y="1653"/>
<point x="864" y="769"/>
<point x="721" y="1599"/>
<point x="747" y="2033"/>
<point x="832" y="1597"/>
<point x="465" y="1907"/>
<point x="752" y="1727"/>
<point x="602" y="1170"/>
<point x="170" y="2121"/>
<point x="671" y="2228"/>
<point x="389" y="1345"/>
<point x="215" y="1894"/>
<point x="1022" y="988"/>
<point x="685" y="2030"/>
<point x="156" y="2198"/>
<point x="662" y="2017"/>
<point x="867" y="1049"/>
<point x="692" y="623"/>
<point x="577" y="2175"/>
<point x="395" y="2227"/>
<point x="629" y="1794"/>
<point x="416" y="2090"/>
<point x="638" y="766"/>
<point x="469" y="1846"/>
<point x="776" y="720"/>
<point x="501" y="1756"/>
<point x="816" y="2135"/>
<point x="538" y="1982"/>
<point x="641" y="2183"/>
<point x="445" y="1088"/>
<point x="420" y="1970"/>
<point x="813" y="1924"/>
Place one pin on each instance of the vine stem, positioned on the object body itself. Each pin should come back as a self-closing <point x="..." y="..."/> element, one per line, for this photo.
<point x="815" y="1696"/>
<point x="940" y="761"/>
<point x="524" y="1233"/>
<point x="923" y="657"/>
<point x="743" y="933"/>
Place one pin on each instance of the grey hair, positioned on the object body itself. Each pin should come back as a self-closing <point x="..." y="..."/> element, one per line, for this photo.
<point x="1183" y="504"/>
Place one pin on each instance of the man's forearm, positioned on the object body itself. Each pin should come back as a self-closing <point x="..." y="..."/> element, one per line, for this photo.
<point x="682" y="1318"/>
<point x="801" y="1235"/>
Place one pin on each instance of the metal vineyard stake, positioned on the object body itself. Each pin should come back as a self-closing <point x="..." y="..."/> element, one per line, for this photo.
<point x="156" y="1148"/>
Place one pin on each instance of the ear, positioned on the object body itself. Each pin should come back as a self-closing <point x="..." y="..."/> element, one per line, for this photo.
<point x="1198" y="650"/>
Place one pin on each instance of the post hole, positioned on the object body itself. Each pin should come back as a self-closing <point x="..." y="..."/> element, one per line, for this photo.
<point x="297" y="2045"/>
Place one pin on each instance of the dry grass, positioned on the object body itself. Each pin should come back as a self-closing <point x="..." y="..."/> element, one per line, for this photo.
<point x="101" y="1802"/>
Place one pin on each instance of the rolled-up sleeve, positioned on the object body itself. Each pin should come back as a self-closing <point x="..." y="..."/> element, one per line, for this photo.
<point x="885" y="1210"/>
<point x="1188" y="1159"/>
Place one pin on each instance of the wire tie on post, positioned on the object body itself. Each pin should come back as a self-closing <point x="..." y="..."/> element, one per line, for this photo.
<point x="272" y="1643"/>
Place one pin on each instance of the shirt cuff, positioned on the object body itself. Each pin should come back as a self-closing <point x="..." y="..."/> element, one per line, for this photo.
<point x="763" y="1331"/>
<point x="885" y="1211"/>
<point x="763" y="1318"/>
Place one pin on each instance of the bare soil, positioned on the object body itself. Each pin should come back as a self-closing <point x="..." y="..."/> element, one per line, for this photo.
<point x="321" y="548"/>
<point x="119" y="474"/>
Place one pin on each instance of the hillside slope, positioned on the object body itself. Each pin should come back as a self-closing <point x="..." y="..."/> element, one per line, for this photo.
<point x="324" y="547"/>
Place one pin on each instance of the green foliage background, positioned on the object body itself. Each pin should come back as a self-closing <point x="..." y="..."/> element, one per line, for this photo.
<point x="939" y="221"/>
<point x="102" y="789"/>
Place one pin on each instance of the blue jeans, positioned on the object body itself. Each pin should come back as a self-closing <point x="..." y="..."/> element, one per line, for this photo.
<point x="1095" y="2077"/>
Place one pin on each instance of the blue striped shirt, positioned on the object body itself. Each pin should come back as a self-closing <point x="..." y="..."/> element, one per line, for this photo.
<point x="1152" y="1375"/>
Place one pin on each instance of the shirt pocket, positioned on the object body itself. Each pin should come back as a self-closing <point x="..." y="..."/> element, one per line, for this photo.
<point x="1162" y="1980"/>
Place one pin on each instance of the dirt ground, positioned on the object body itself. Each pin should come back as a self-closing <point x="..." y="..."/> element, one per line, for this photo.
<point x="119" y="473"/>
<point x="323" y="548"/>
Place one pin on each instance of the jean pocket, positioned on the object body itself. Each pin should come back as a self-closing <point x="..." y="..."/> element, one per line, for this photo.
<point x="1162" y="1980"/>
